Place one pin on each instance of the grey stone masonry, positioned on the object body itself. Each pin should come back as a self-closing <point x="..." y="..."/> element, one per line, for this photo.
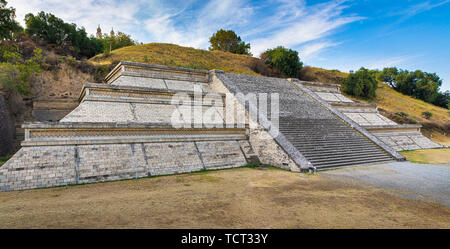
<point x="148" y="120"/>
<point x="48" y="166"/>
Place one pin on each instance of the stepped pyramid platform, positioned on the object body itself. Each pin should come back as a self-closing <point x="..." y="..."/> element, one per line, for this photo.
<point x="149" y="120"/>
<point x="398" y="136"/>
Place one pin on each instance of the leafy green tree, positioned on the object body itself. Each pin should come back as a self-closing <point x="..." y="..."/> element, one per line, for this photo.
<point x="227" y="40"/>
<point x="285" y="60"/>
<point x="421" y="85"/>
<point x="120" y="40"/>
<point x="16" y="72"/>
<point x="361" y="83"/>
<point x="8" y="24"/>
<point x="54" y="30"/>
<point x="387" y="75"/>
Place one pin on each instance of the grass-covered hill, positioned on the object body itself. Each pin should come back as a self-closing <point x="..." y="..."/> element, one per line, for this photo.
<point x="174" y="55"/>
<point x="392" y="103"/>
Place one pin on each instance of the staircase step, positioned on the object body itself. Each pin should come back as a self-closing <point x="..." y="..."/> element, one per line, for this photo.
<point x="346" y="158"/>
<point x="350" y="163"/>
<point x="344" y="154"/>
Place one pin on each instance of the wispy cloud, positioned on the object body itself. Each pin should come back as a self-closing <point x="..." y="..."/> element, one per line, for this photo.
<point x="312" y="50"/>
<point x="417" y="9"/>
<point x="391" y="61"/>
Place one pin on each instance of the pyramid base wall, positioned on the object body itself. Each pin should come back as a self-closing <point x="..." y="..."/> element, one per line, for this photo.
<point x="49" y="166"/>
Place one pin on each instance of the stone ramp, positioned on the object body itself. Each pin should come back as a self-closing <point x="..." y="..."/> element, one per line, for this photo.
<point x="315" y="132"/>
<point x="398" y="136"/>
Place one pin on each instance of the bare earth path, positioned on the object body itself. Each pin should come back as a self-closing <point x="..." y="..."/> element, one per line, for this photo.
<point x="237" y="198"/>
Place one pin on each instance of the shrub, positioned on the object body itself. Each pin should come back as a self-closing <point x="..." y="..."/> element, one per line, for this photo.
<point x="427" y="115"/>
<point x="16" y="73"/>
<point x="361" y="83"/>
<point x="285" y="60"/>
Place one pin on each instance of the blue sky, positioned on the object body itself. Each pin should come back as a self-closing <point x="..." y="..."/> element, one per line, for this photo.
<point x="342" y="35"/>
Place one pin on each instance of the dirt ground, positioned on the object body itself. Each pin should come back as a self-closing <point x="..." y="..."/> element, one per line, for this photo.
<point x="428" y="156"/>
<point x="236" y="198"/>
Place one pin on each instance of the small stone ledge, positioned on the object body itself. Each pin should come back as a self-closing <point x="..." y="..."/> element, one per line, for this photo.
<point x="312" y="83"/>
<point x="133" y="139"/>
<point x="352" y="104"/>
<point x="150" y="100"/>
<point x="87" y="87"/>
<point x="98" y="125"/>
<point x="399" y="126"/>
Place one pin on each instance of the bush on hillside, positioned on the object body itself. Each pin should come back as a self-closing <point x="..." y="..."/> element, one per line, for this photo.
<point x="361" y="83"/>
<point x="227" y="40"/>
<point x="427" y="115"/>
<point x="285" y="60"/>
<point x="16" y="73"/>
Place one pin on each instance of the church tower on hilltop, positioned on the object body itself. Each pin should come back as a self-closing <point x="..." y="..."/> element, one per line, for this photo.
<point x="112" y="32"/>
<point x="99" y="32"/>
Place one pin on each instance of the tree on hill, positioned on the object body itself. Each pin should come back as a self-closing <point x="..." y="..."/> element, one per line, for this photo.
<point x="361" y="83"/>
<point x="417" y="84"/>
<point x="285" y="60"/>
<point x="111" y="42"/>
<point x="8" y="24"/>
<point x="227" y="40"/>
<point x="387" y="75"/>
<point x="52" y="29"/>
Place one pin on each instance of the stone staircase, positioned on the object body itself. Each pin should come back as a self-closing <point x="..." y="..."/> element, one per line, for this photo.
<point x="312" y="132"/>
<point x="330" y="142"/>
<point x="398" y="136"/>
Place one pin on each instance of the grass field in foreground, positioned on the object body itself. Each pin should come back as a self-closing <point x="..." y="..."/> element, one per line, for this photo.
<point x="235" y="198"/>
<point x="428" y="156"/>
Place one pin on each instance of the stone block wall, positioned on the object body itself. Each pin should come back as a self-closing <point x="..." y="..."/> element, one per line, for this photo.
<point x="49" y="166"/>
<point x="260" y="143"/>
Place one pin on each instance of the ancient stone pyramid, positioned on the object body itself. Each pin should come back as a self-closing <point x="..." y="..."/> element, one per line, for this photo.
<point x="152" y="120"/>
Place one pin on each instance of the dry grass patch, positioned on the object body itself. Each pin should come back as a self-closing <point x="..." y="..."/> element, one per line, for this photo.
<point x="237" y="198"/>
<point x="428" y="156"/>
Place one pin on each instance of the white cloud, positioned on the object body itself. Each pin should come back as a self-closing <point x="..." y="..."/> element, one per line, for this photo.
<point x="313" y="23"/>
<point x="290" y="23"/>
<point x="311" y="50"/>
<point x="195" y="32"/>
<point x="87" y="13"/>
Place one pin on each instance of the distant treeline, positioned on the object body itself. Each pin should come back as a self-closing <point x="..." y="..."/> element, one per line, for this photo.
<point x="417" y="84"/>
